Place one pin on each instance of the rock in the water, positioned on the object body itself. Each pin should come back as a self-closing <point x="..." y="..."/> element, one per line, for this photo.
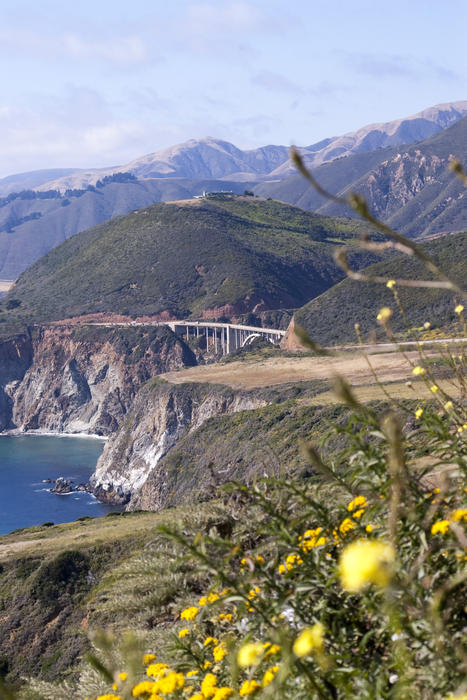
<point x="62" y="486"/>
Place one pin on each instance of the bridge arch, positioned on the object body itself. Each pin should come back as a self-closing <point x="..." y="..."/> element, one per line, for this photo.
<point x="249" y="339"/>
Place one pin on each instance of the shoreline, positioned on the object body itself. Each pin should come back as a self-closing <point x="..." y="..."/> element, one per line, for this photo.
<point x="50" y="433"/>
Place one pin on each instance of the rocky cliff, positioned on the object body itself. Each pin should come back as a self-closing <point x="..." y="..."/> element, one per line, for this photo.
<point x="15" y="357"/>
<point x="81" y="379"/>
<point x="162" y="414"/>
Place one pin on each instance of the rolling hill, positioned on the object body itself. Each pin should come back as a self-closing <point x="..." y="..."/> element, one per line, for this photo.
<point x="206" y="257"/>
<point x="330" y="317"/>
<point x="34" y="222"/>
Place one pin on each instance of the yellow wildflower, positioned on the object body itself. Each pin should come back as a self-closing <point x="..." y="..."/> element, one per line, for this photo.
<point x="210" y="640"/>
<point x="253" y="592"/>
<point x="147" y="658"/>
<point x="172" y="682"/>
<point x="212" y="597"/>
<point x="206" y="665"/>
<point x="418" y="371"/>
<point x="458" y="697"/>
<point x="192" y="673"/>
<point x="109" y="696"/>
<point x="310" y="640"/>
<point x="434" y="388"/>
<point x="419" y="413"/>
<point x="202" y="601"/>
<point x="225" y="616"/>
<point x="358" y="513"/>
<point x="272" y="649"/>
<point x="184" y="632"/>
<point x="208" y="686"/>
<point x="440" y="526"/>
<point x="223" y="693"/>
<point x="390" y="284"/>
<point x="123" y="676"/>
<point x="346" y="525"/>
<point x="366" y="561"/>
<point x="249" y="687"/>
<point x="143" y="688"/>
<point x="459" y="514"/>
<point x="459" y="309"/>
<point x="260" y="559"/>
<point x="156" y="670"/>
<point x="250" y="654"/>
<point x="448" y="405"/>
<point x="292" y="560"/>
<point x="384" y="314"/>
<point x="189" y="613"/>
<point x="357" y="502"/>
<point x="197" y="696"/>
<point x="311" y="539"/>
<point x="219" y="652"/>
<point x="269" y="675"/>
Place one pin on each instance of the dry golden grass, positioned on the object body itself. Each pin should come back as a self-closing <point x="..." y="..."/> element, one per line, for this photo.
<point x="373" y="392"/>
<point x="102" y="530"/>
<point x="390" y="367"/>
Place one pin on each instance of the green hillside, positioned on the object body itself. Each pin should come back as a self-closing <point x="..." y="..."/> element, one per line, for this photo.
<point x="185" y="258"/>
<point x="330" y="318"/>
<point x="32" y="223"/>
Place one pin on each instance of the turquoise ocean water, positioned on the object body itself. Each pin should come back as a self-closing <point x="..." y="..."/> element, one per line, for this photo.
<point x="26" y="460"/>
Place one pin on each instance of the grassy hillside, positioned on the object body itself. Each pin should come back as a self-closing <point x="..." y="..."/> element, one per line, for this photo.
<point x="31" y="223"/>
<point x="185" y="258"/>
<point x="330" y="318"/>
<point x="60" y="583"/>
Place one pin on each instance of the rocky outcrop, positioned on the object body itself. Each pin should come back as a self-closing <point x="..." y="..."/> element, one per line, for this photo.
<point x="15" y="357"/>
<point x="290" y="341"/>
<point x="161" y="416"/>
<point x="81" y="380"/>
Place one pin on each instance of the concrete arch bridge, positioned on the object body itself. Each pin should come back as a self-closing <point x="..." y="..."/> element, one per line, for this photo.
<point x="223" y="337"/>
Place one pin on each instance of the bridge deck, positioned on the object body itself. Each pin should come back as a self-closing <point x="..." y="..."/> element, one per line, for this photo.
<point x="215" y="324"/>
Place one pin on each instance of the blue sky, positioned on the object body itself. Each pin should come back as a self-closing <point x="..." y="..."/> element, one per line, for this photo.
<point x="101" y="82"/>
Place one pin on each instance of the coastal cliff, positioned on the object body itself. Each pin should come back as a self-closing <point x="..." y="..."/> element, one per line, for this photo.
<point x="162" y="414"/>
<point x="81" y="380"/>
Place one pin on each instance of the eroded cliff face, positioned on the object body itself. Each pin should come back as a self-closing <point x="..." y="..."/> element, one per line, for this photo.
<point x="161" y="416"/>
<point x="15" y="358"/>
<point x="81" y="380"/>
<point x="398" y="180"/>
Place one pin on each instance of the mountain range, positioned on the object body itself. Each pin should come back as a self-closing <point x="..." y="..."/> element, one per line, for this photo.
<point x="408" y="185"/>
<point x="211" y="158"/>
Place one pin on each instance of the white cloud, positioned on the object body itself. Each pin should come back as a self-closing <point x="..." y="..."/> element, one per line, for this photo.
<point x="118" y="50"/>
<point x="205" y="18"/>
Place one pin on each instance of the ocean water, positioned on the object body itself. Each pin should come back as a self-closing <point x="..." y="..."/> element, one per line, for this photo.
<point x="26" y="460"/>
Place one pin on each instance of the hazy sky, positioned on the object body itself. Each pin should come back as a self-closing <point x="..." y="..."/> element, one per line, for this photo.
<point x="99" y="82"/>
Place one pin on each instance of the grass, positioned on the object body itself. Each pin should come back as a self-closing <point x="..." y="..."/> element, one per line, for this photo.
<point x="330" y="317"/>
<point x="185" y="260"/>
<point x="282" y="370"/>
<point x="43" y="634"/>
